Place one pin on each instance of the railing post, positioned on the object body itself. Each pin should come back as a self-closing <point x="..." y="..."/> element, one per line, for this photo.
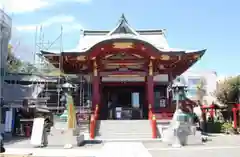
<point x="154" y="127"/>
<point x="212" y="107"/>
<point x="234" y="118"/>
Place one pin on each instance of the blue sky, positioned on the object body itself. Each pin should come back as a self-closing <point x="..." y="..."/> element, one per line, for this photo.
<point x="190" y="24"/>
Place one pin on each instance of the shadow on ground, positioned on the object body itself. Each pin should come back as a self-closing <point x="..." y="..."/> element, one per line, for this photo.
<point x="13" y="139"/>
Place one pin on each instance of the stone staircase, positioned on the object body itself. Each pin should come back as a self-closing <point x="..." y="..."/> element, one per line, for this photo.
<point x="123" y="130"/>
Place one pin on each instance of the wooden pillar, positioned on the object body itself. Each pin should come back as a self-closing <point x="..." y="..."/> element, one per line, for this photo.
<point x="95" y="85"/>
<point x="170" y="96"/>
<point x="150" y="85"/>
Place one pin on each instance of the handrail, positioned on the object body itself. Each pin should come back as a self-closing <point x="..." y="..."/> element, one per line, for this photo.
<point x="92" y="127"/>
<point x="150" y="112"/>
<point x="93" y="121"/>
<point x="154" y="126"/>
<point x="96" y="112"/>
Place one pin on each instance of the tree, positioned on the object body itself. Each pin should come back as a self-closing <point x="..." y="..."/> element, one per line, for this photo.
<point x="228" y="90"/>
<point x="13" y="63"/>
<point x="201" y="90"/>
<point x="29" y="68"/>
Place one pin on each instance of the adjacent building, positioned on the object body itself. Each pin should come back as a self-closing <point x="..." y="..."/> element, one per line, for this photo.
<point x="5" y="35"/>
<point x="194" y="78"/>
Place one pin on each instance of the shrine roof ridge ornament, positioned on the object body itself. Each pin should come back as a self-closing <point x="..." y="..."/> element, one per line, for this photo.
<point x="123" y="28"/>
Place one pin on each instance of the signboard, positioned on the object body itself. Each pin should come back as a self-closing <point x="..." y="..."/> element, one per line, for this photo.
<point x="122" y="45"/>
<point x="161" y="78"/>
<point x="135" y="100"/>
<point x="162" y="102"/>
<point x="37" y="131"/>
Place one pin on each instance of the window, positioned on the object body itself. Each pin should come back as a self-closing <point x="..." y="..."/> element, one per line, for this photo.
<point x="193" y="82"/>
<point x="192" y="92"/>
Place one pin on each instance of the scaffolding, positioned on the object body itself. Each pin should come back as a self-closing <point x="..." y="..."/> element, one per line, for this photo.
<point x="43" y="66"/>
<point x="82" y="86"/>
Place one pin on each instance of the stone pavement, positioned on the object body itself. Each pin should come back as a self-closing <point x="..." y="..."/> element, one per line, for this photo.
<point x="231" y="151"/>
<point x="124" y="149"/>
<point x="219" y="145"/>
<point x="53" y="152"/>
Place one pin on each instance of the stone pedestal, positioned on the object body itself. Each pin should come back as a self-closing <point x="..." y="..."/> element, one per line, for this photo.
<point x="180" y="137"/>
<point x="80" y="140"/>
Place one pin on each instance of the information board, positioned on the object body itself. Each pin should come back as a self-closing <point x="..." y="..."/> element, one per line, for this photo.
<point x="37" y="131"/>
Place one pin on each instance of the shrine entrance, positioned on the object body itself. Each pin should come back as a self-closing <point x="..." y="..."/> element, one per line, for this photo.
<point x="126" y="99"/>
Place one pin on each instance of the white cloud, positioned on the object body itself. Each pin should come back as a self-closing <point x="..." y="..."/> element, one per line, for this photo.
<point x="21" y="6"/>
<point x="67" y="22"/>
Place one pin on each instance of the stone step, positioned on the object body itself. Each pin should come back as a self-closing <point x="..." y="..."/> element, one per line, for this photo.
<point x="128" y="139"/>
<point x="114" y="136"/>
<point x="123" y="132"/>
<point x="124" y="129"/>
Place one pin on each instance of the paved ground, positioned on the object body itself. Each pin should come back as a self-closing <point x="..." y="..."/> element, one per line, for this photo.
<point x="232" y="151"/>
<point x="219" y="146"/>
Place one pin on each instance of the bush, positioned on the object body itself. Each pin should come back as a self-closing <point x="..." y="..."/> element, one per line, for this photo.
<point x="214" y="127"/>
<point x="227" y="128"/>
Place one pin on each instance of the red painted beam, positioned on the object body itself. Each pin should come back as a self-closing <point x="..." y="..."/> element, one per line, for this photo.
<point x="123" y="73"/>
<point x="123" y="83"/>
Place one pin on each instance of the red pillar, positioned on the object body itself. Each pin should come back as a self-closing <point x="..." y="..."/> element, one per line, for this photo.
<point x="150" y="90"/>
<point x="212" y="107"/>
<point x="96" y="92"/>
<point x="234" y="118"/>
<point x="150" y="85"/>
<point x="95" y="85"/>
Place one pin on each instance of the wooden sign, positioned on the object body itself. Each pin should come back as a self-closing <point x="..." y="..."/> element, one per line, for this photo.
<point x="81" y="58"/>
<point x="122" y="45"/>
<point x="165" y="57"/>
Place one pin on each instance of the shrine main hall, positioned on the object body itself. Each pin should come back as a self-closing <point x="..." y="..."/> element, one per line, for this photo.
<point x="130" y="69"/>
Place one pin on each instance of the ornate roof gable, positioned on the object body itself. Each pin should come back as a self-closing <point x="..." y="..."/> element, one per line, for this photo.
<point x="123" y="28"/>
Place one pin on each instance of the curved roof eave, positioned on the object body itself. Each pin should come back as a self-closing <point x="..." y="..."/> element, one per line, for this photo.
<point x="115" y="37"/>
<point x="46" y="53"/>
<point x="181" y="50"/>
<point x="139" y="38"/>
<point x="126" y="37"/>
<point x="185" y="66"/>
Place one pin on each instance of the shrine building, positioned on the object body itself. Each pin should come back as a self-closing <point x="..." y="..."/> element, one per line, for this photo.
<point x="130" y="68"/>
